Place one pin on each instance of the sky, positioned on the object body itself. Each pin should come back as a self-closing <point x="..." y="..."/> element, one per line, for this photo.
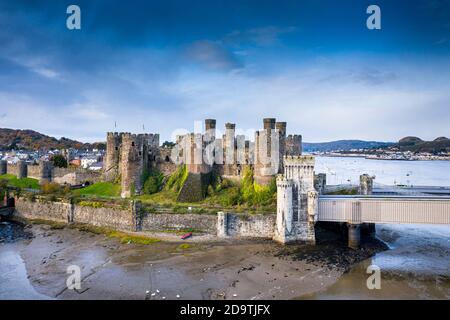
<point x="159" y="66"/>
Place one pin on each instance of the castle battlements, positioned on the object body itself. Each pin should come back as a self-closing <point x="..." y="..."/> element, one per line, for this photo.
<point x="128" y="155"/>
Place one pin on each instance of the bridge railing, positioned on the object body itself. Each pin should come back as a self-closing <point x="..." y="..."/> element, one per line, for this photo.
<point x="385" y="209"/>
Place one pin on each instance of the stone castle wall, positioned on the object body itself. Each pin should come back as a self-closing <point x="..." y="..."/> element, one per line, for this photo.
<point x="171" y="221"/>
<point x="63" y="211"/>
<point x="134" y="218"/>
<point x="45" y="172"/>
<point x="253" y="226"/>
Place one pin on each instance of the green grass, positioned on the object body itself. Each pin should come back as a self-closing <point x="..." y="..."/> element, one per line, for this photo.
<point x="101" y="189"/>
<point x="54" y="225"/>
<point x="123" y="237"/>
<point x="29" y="183"/>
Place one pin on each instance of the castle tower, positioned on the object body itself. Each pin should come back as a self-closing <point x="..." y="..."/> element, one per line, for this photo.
<point x="229" y="149"/>
<point x="133" y="162"/>
<point x="365" y="184"/>
<point x="210" y="130"/>
<point x="293" y="145"/>
<point x="266" y="152"/>
<point x="296" y="187"/>
<point x="284" y="229"/>
<point x="45" y="171"/>
<point x="281" y="129"/>
<point x="112" y="159"/>
<point x="22" y="169"/>
<point x="269" y="123"/>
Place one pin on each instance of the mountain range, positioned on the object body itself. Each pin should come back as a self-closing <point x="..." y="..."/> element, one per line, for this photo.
<point x="32" y="140"/>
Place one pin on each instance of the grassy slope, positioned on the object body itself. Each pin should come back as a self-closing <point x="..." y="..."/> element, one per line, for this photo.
<point x="21" y="183"/>
<point x="101" y="189"/>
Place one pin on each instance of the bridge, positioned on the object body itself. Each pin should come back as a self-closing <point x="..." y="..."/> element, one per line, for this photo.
<point x="384" y="209"/>
<point x="370" y="209"/>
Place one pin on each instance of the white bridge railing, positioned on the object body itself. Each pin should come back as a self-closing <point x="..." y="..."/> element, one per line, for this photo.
<point x="385" y="209"/>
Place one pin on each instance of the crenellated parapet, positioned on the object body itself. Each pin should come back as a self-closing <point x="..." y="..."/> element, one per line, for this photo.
<point x="293" y="145"/>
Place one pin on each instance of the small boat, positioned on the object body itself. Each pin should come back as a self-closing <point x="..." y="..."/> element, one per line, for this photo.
<point x="187" y="235"/>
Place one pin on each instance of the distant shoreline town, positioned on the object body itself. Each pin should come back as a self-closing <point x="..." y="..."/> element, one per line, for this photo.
<point x="399" y="156"/>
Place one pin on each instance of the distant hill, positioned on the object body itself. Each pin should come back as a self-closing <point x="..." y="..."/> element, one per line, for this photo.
<point x="409" y="141"/>
<point x="414" y="144"/>
<point x="32" y="140"/>
<point x="343" y="145"/>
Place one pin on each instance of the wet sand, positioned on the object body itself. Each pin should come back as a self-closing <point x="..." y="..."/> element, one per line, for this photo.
<point x="417" y="266"/>
<point x="244" y="269"/>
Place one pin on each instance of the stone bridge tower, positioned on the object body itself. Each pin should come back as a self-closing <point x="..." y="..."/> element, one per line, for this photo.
<point x="297" y="201"/>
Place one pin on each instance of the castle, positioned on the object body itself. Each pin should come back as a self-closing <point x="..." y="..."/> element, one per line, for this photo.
<point x="129" y="156"/>
<point x="272" y="153"/>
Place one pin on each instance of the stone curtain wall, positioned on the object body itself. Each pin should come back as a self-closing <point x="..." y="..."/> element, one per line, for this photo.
<point x="12" y="169"/>
<point x="171" y="221"/>
<point x="134" y="219"/>
<point x="75" y="176"/>
<point x="244" y="225"/>
<point x="114" y="218"/>
<point x="47" y="210"/>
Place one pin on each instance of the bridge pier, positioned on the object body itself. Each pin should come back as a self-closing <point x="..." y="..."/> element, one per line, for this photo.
<point x="368" y="229"/>
<point x="354" y="235"/>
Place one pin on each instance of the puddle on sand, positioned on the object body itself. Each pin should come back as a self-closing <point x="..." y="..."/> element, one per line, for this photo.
<point x="13" y="275"/>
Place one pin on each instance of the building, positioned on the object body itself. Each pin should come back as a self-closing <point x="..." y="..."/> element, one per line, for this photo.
<point x="128" y="156"/>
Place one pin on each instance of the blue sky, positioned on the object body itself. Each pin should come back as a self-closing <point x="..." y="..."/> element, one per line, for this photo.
<point x="166" y="64"/>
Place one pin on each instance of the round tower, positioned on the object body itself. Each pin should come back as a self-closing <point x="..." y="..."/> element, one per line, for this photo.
<point x="22" y="169"/>
<point x="112" y="158"/>
<point x="269" y="123"/>
<point x="284" y="223"/>
<point x="45" y="171"/>
<point x="132" y="163"/>
<point x="210" y="129"/>
<point x="229" y="147"/>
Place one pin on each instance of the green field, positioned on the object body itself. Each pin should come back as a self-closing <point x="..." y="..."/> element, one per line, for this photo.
<point x="101" y="189"/>
<point x="20" y="183"/>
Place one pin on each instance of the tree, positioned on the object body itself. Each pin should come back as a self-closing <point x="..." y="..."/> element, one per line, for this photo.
<point x="59" y="161"/>
<point x="168" y="144"/>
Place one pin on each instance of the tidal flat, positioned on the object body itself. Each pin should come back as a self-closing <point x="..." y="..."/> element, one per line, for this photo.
<point x="34" y="259"/>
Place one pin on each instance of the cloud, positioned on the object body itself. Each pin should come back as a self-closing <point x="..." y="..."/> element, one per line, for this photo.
<point x="263" y="36"/>
<point x="213" y="55"/>
<point x="46" y="72"/>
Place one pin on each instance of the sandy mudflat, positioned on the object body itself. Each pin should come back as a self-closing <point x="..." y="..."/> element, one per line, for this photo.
<point x="244" y="269"/>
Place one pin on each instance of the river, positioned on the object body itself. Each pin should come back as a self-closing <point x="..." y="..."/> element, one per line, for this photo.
<point x="343" y="170"/>
<point x="417" y="266"/>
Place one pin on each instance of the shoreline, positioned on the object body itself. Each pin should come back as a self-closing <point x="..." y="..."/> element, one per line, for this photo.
<point x="225" y="269"/>
<point x="370" y="158"/>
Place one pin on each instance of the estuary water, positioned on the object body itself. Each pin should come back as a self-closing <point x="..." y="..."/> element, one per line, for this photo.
<point x="343" y="170"/>
<point x="417" y="266"/>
